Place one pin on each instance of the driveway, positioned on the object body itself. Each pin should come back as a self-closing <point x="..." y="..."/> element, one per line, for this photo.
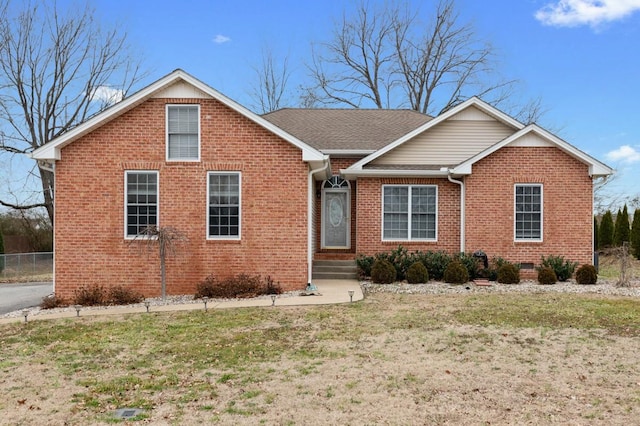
<point x="14" y="297"/>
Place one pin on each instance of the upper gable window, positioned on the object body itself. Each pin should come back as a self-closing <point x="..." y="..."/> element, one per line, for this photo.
<point x="183" y="132"/>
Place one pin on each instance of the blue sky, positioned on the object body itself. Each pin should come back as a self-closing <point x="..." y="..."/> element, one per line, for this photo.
<point x="581" y="57"/>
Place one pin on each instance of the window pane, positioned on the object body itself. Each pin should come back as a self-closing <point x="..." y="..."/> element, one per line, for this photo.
<point x="224" y="204"/>
<point x="182" y="132"/>
<point x="142" y="201"/>
<point x="528" y="217"/>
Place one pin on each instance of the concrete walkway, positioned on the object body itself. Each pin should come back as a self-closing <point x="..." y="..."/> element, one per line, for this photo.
<point x="329" y="292"/>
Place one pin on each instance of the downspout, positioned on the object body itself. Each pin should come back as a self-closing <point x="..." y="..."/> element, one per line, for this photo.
<point x="310" y="218"/>
<point x="462" y="210"/>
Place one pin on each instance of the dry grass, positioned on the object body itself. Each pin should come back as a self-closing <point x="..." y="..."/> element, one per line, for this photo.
<point x="609" y="267"/>
<point x="391" y="359"/>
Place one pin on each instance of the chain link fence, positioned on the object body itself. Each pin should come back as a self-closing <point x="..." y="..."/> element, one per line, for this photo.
<point x="26" y="266"/>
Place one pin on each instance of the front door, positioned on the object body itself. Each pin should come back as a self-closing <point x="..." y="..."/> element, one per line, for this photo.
<point x="336" y="218"/>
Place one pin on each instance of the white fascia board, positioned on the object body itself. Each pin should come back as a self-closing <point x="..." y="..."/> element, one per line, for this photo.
<point x="596" y="168"/>
<point x="51" y="151"/>
<point x="348" y="172"/>
<point x="348" y="152"/>
<point x="476" y="102"/>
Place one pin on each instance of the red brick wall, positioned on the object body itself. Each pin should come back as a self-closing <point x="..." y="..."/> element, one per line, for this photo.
<point x="567" y="199"/>
<point x="89" y="232"/>
<point x="369" y="216"/>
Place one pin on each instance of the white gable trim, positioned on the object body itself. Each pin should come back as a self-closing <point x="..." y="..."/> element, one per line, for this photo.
<point x="475" y="102"/>
<point x="51" y="150"/>
<point x="596" y="168"/>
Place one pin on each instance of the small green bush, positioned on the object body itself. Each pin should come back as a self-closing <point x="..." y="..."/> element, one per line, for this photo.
<point x="364" y="264"/>
<point x="383" y="272"/>
<point x="469" y="262"/>
<point x="456" y="273"/>
<point x="417" y="273"/>
<point x="239" y="286"/>
<point x="399" y="258"/>
<point x="547" y="275"/>
<point x="435" y="261"/>
<point x="586" y="274"/>
<point x="562" y="268"/>
<point x="508" y="273"/>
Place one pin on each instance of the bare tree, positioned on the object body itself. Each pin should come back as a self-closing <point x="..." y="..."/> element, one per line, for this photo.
<point x="272" y="76"/>
<point x="387" y="57"/>
<point x="167" y="238"/>
<point x="56" y="69"/>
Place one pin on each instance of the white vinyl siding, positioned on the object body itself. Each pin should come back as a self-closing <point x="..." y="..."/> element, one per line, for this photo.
<point x="183" y="132"/>
<point x="448" y="143"/>
<point x="223" y="205"/>
<point x="528" y="212"/>
<point x="409" y="213"/>
<point x="141" y="201"/>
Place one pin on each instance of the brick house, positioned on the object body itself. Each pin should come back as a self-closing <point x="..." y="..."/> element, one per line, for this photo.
<point x="273" y="194"/>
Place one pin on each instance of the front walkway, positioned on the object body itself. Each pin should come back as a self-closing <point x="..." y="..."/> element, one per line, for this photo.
<point x="330" y="292"/>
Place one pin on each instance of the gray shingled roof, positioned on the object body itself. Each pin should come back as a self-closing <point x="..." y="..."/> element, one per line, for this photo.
<point x="355" y="129"/>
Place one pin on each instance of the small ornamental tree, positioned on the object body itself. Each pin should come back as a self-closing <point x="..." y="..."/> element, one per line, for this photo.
<point x="635" y="234"/>
<point x="605" y="233"/>
<point x="621" y="231"/>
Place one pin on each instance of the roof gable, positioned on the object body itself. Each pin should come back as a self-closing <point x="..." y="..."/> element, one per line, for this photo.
<point x="472" y="109"/>
<point x="176" y="82"/>
<point x="534" y="135"/>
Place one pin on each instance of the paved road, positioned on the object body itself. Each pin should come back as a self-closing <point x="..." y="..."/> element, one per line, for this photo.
<point x="14" y="297"/>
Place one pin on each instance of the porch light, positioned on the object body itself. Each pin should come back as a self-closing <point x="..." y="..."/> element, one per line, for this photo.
<point x="351" y="295"/>
<point x="205" y="299"/>
<point x="273" y="300"/>
<point x="147" y="304"/>
<point x="25" y="314"/>
<point x="77" y="308"/>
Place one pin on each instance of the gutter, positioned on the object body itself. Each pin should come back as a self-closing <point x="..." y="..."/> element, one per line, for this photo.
<point x="462" y="210"/>
<point x="310" y="217"/>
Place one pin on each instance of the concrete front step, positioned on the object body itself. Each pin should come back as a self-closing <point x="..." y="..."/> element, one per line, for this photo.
<point x="334" y="269"/>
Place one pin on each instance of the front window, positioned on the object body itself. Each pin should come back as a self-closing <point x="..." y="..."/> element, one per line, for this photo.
<point x="183" y="132"/>
<point x="409" y="212"/>
<point x="528" y="212"/>
<point x="141" y="201"/>
<point x="223" y="218"/>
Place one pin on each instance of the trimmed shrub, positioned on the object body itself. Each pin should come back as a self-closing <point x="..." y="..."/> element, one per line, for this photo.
<point x="383" y="272"/>
<point x="399" y="258"/>
<point x="508" y="273"/>
<point x="562" y="268"/>
<point x="469" y="262"/>
<point x="364" y="263"/>
<point x="456" y="273"/>
<point x="93" y="295"/>
<point x="586" y="274"/>
<point x="52" y="301"/>
<point x="120" y="295"/>
<point x="239" y="286"/>
<point x="417" y="273"/>
<point x="436" y="263"/>
<point x="546" y="275"/>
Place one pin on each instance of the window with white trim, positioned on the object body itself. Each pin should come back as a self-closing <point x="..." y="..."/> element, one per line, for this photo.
<point x="223" y="205"/>
<point x="183" y="132"/>
<point x="141" y="204"/>
<point x="409" y="212"/>
<point x="528" y="212"/>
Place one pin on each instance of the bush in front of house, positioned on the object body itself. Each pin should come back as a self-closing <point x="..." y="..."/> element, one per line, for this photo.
<point x="120" y="295"/>
<point x="562" y="267"/>
<point x="52" y="301"/>
<point x="417" y="273"/>
<point x="508" y="273"/>
<point x="456" y="273"/>
<point x="400" y="259"/>
<point x="470" y="263"/>
<point x="239" y="286"/>
<point x="547" y="275"/>
<point x="435" y="261"/>
<point x="383" y="272"/>
<point x="586" y="274"/>
<point x="97" y="295"/>
<point x="364" y="264"/>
